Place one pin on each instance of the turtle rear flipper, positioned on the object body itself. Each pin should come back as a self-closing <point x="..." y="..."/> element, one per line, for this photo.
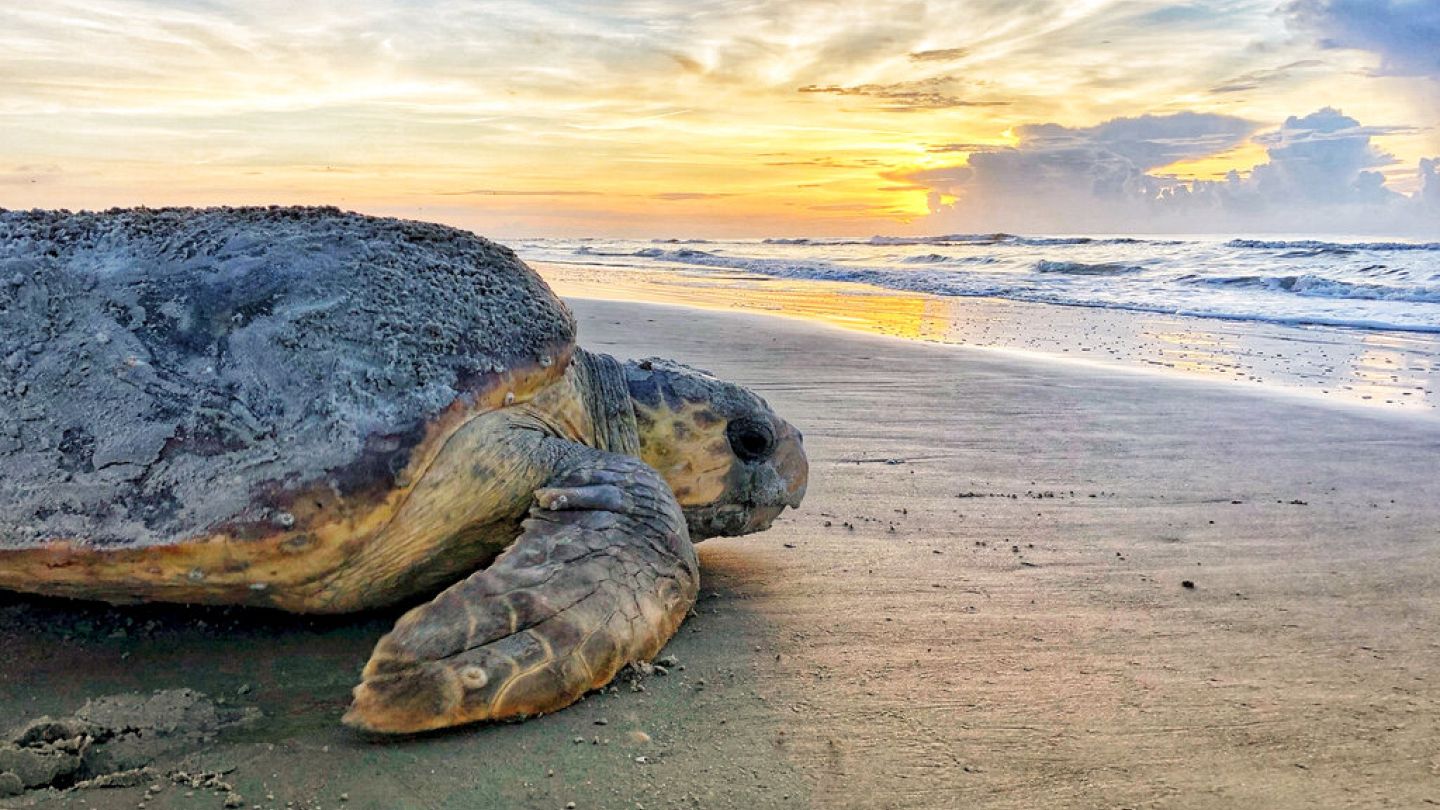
<point x="601" y="576"/>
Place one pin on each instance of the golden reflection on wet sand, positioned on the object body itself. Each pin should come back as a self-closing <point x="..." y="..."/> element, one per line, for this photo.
<point x="1393" y="370"/>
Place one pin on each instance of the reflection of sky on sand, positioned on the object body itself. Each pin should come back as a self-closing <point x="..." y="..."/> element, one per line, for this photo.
<point x="1196" y="352"/>
<point x="1389" y="368"/>
<point x="1395" y="370"/>
<point x="885" y="312"/>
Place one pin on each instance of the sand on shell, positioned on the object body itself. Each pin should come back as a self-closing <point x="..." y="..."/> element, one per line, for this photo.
<point x="981" y="603"/>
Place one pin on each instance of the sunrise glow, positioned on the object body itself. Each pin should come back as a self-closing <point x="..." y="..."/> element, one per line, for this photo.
<point x="652" y="118"/>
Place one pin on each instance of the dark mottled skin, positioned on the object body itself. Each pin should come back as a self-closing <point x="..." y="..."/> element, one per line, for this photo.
<point x="169" y="371"/>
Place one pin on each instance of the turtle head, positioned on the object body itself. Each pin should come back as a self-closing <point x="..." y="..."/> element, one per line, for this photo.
<point x="731" y="462"/>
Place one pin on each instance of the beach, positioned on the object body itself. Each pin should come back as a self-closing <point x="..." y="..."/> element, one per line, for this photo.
<point x="1099" y="462"/>
<point x="1017" y="581"/>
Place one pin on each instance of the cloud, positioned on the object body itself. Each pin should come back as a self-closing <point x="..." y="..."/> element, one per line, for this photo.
<point x="1430" y="183"/>
<point x="828" y="163"/>
<point x="1320" y="174"/>
<point x="1258" y="78"/>
<point x="1324" y="158"/>
<point x="680" y="196"/>
<point x="1146" y="142"/>
<point x="941" y="148"/>
<point x="1404" y="33"/>
<point x="1110" y="158"/>
<point x="523" y="102"/>
<point x="30" y="175"/>
<point x="501" y="192"/>
<point x="939" y="55"/>
<point x="935" y="93"/>
<point x="856" y="208"/>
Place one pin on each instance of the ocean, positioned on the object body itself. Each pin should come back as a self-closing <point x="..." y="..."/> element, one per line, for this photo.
<point x="1368" y="285"/>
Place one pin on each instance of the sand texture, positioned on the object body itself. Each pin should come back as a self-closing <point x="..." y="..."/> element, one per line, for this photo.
<point x="982" y="603"/>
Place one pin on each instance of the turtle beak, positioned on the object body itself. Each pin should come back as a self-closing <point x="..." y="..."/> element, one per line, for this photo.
<point x="791" y="465"/>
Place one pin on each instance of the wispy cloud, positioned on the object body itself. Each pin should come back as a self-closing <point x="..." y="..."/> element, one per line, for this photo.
<point x="497" y="192"/>
<point x="1259" y="78"/>
<point x="939" y="55"/>
<point x="30" y="175"/>
<point x="679" y="196"/>
<point x="925" y="94"/>
<point x="943" y="148"/>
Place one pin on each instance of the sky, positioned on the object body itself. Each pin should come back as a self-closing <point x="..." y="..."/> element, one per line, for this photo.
<point x="673" y="118"/>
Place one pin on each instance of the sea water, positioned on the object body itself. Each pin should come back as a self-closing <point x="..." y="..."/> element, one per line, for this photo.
<point x="1369" y="285"/>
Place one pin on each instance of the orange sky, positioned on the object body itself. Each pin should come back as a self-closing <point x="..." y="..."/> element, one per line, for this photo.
<point x="644" y="117"/>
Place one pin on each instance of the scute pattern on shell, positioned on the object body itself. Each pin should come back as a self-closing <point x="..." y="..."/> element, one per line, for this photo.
<point x="159" y="367"/>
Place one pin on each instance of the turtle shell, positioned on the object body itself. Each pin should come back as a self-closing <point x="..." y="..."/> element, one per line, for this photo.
<point x="171" y="374"/>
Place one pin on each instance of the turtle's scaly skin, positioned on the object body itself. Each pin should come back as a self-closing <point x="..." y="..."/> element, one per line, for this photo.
<point x="324" y="412"/>
<point x="555" y="616"/>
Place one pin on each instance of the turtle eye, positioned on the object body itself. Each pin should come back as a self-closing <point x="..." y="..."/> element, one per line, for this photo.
<point x="750" y="439"/>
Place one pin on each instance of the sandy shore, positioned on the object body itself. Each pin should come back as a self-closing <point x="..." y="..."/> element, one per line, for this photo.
<point x="1391" y="370"/>
<point x="982" y="604"/>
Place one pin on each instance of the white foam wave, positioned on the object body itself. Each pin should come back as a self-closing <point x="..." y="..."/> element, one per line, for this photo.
<point x="1318" y="247"/>
<point x="1372" y="285"/>
<point x="1083" y="269"/>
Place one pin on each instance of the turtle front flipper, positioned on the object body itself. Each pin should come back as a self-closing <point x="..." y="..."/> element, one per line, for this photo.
<point x="601" y="576"/>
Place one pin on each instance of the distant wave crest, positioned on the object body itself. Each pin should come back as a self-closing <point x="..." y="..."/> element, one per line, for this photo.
<point x="1304" y="247"/>
<point x="939" y="258"/>
<point x="1082" y="269"/>
<point x="1009" y="239"/>
<point x="1320" y="287"/>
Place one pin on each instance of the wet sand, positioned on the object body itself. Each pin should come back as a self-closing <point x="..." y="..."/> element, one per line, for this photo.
<point x="1394" y="370"/>
<point x="983" y="603"/>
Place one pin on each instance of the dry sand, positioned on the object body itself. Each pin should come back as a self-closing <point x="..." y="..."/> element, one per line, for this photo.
<point x="981" y="604"/>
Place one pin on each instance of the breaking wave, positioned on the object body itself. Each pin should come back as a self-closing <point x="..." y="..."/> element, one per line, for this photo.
<point x="1316" y="247"/>
<point x="1082" y="269"/>
<point x="1390" y="285"/>
<point x="1320" y="287"/>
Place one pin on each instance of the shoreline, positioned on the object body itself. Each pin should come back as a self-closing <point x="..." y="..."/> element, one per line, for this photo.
<point x="1392" y="371"/>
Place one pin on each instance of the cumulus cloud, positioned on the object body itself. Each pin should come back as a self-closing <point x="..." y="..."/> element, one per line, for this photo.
<point x="1430" y="184"/>
<point x="1324" y="158"/>
<point x="1404" y="33"/>
<point x="1145" y="142"/>
<point x="1320" y="174"/>
<point x="1109" y="160"/>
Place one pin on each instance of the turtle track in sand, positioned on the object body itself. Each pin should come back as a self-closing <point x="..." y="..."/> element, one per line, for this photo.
<point x="111" y="741"/>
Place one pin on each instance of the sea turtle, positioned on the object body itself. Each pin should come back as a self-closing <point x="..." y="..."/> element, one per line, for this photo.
<point x="321" y="412"/>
